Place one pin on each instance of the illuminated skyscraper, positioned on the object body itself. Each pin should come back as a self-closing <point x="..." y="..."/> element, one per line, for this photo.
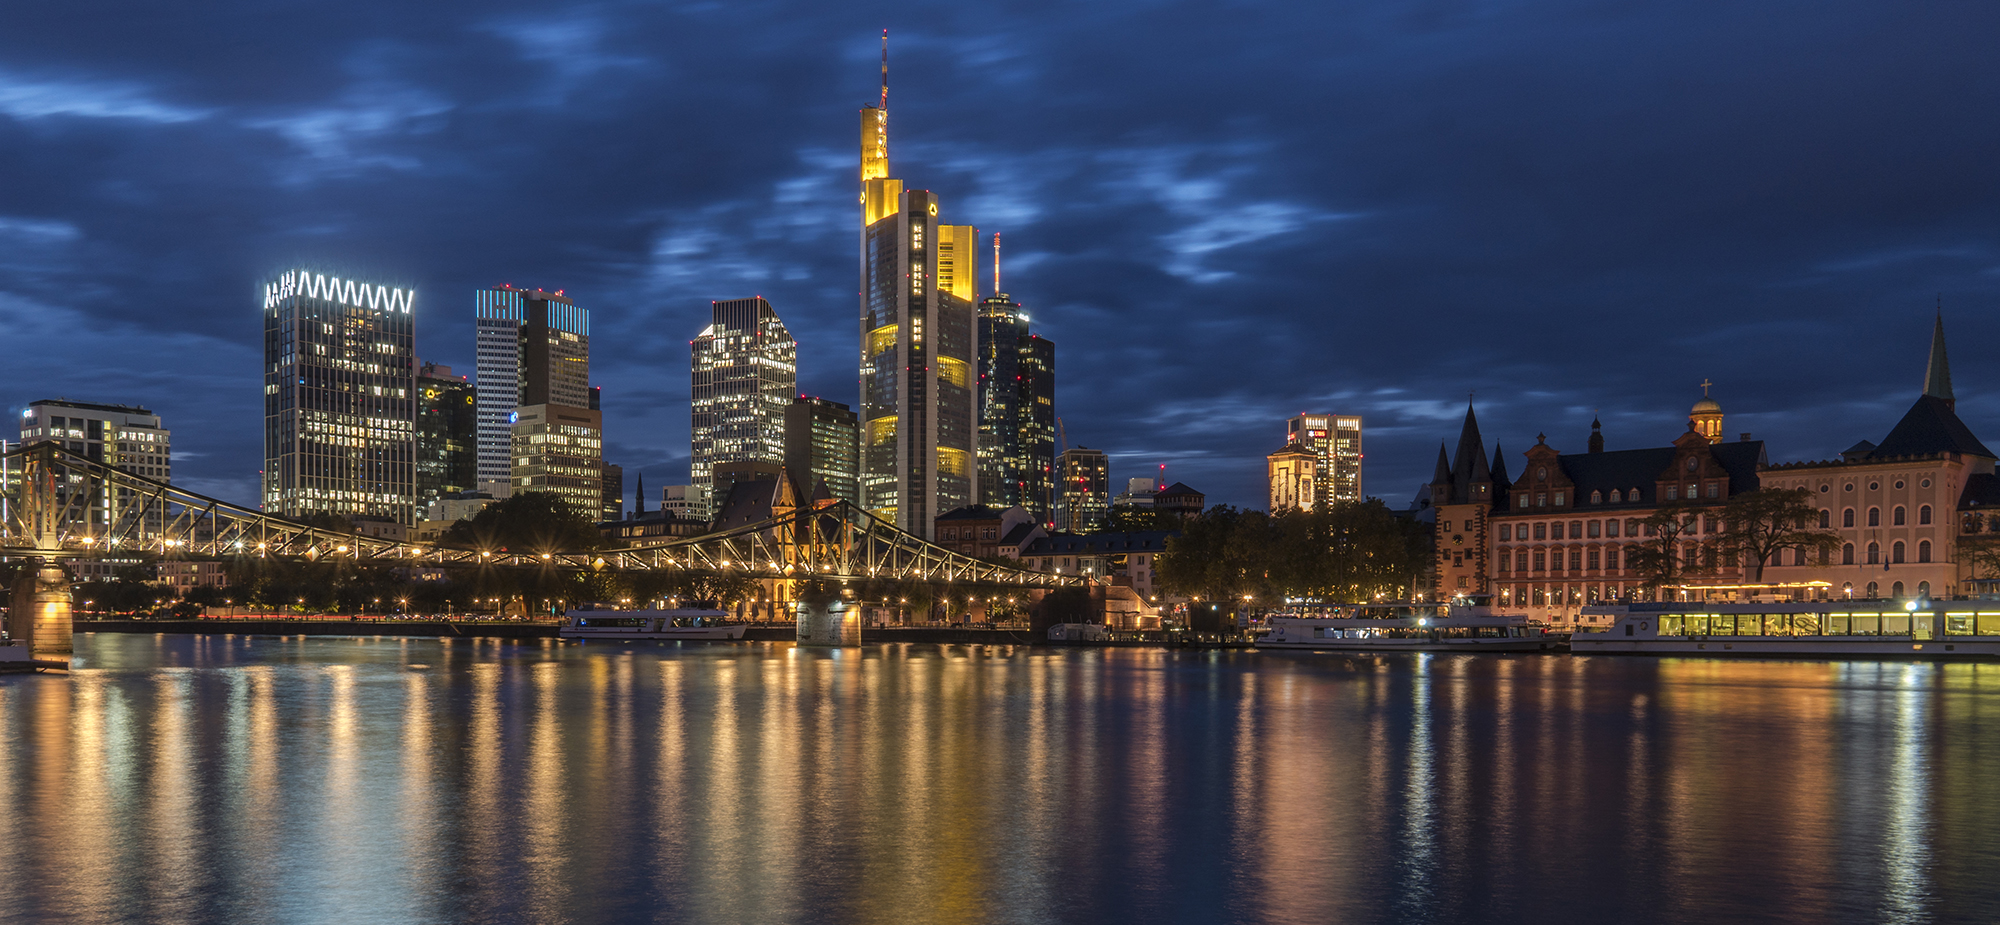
<point x="919" y="426"/>
<point x="533" y="348"/>
<point x="745" y="374"/>
<point x="1335" y="442"/>
<point x="1016" y="406"/>
<point x="339" y="398"/>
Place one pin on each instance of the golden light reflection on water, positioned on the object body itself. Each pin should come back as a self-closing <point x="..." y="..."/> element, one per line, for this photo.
<point x="408" y="780"/>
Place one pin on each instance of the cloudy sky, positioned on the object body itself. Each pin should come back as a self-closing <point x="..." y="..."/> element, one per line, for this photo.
<point x="1223" y="214"/>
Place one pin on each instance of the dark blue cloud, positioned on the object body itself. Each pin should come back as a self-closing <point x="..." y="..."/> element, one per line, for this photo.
<point x="1223" y="215"/>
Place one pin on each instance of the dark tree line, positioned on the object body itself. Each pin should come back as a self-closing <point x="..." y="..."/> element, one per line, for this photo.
<point x="1346" y="551"/>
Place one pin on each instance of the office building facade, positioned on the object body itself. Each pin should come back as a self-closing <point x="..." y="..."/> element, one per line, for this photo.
<point x="559" y="449"/>
<point x="339" y="398"/>
<point x="447" y="451"/>
<point x="127" y="437"/>
<point x="1335" y="442"/>
<point x="823" y="444"/>
<point x="1083" y="500"/>
<point x="1037" y="417"/>
<point x="919" y="423"/>
<point x="745" y="373"/>
<point x="532" y="348"/>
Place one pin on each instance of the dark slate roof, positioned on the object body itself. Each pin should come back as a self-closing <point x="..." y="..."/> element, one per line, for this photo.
<point x="1178" y="489"/>
<point x="1094" y="544"/>
<point x="1625" y="470"/>
<point x="1930" y="426"/>
<point x="973" y="512"/>
<point x="1018" y="535"/>
<point x="747" y="503"/>
<point x="1981" y="490"/>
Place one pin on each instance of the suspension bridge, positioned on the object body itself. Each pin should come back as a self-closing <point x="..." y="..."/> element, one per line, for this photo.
<point x="64" y="506"/>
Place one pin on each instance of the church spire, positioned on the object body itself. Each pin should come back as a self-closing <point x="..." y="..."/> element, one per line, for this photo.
<point x="1937" y="379"/>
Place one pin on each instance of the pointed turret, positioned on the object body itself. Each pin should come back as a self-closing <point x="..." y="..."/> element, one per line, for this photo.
<point x="1596" y="436"/>
<point x="1500" y="478"/>
<point x="639" y="500"/>
<point x="1932" y="424"/>
<point x="1937" y="378"/>
<point x="1469" y="444"/>
<point x="1443" y="474"/>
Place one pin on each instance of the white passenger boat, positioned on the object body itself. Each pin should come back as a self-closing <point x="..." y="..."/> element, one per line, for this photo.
<point x="693" y="622"/>
<point x="1907" y="629"/>
<point x="1467" y="624"/>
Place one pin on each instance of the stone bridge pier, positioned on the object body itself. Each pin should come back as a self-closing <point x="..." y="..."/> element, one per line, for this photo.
<point x="40" y="612"/>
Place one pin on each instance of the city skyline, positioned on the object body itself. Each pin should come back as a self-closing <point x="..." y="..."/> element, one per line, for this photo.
<point x="1157" y="229"/>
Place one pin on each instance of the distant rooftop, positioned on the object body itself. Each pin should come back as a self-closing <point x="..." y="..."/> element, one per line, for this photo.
<point x="90" y="406"/>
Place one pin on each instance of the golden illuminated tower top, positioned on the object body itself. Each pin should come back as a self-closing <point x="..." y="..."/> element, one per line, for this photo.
<point x="875" y="127"/>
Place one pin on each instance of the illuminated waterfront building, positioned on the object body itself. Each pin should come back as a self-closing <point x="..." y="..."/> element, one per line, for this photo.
<point x="127" y="437"/>
<point x="339" y="398"/>
<point x="532" y="348"/>
<point x="1561" y="535"/>
<point x="1335" y="442"/>
<point x="744" y="375"/>
<point x="447" y="451"/>
<point x="1083" y="499"/>
<point x="1907" y="510"/>
<point x="822" y="444"/>
<point x="919" y="423"/>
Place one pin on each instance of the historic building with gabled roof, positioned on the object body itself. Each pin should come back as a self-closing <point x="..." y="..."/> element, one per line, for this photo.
<point x="1565" y="538"/>
<point x="1559" y="536"/>
<point x="1904" y="507"/>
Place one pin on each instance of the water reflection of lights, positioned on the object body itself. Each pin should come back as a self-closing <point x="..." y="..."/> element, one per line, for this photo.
<point x="307" y="779"/>
<point x="1420" y="860"/>
<point x="1907" y="855"/>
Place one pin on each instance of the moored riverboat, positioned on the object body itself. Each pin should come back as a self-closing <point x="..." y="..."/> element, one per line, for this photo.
<point x="698" y="621"/>
<point x="1466" y="624"/>
<point x="1870" y="629"/>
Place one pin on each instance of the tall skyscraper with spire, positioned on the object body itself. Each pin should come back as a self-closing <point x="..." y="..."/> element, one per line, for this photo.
<point x="919" y="278"/>
<point x="1017" y="413"/>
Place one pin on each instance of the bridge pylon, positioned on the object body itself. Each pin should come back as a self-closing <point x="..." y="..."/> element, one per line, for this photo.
<point x="41" y="613"/>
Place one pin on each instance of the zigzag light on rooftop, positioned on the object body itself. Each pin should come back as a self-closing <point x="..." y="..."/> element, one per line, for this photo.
<point x="335" y="289"/>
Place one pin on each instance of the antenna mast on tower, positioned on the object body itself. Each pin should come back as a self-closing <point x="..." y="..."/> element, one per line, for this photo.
<point x="996" y="263"/>
<point x="885" y="69"/>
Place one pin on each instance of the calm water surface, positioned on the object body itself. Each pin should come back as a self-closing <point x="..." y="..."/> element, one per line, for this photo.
<point x="218" y="779"/>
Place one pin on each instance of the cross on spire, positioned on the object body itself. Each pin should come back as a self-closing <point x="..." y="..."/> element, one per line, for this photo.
<point x="1704" y="387"/>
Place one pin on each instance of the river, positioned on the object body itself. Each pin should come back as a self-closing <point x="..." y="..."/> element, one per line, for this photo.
<point x="266" y="780"/>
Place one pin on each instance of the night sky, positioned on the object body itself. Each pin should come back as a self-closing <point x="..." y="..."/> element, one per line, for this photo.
<point x="1222" y="214"/>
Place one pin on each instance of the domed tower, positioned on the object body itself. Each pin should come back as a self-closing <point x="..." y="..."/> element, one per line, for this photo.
<point x="1707" y="415"/>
